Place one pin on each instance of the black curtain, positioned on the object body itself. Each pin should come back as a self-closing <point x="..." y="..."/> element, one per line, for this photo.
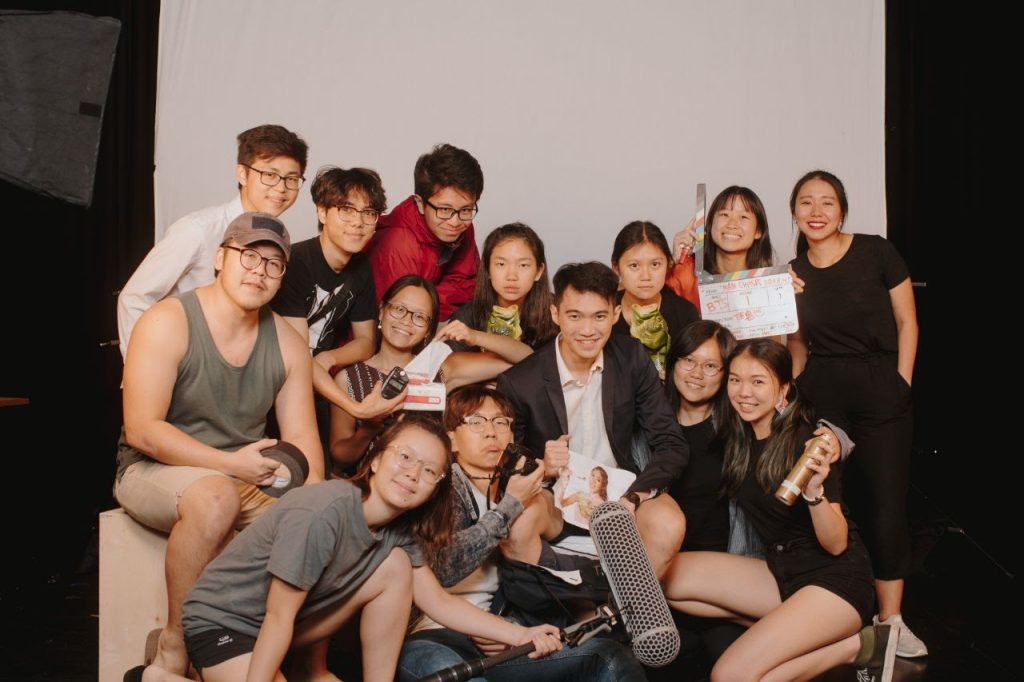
<point x="61" y="265"/>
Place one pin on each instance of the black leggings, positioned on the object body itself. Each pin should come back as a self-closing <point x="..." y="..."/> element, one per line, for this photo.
<point x="867" y="397"/>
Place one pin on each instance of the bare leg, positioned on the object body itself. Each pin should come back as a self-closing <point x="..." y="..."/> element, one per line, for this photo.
<point x="207" y="512"/>
<point x="890" y="597"/>
<point x="811" y="665"/>
<point x="716" y="584"/>
<point x="309" y="664"/>
<point x="540" y="519"/>
<point x="662" y="526"/>
<point x="385" y="599"/>
<point x="792" y="641"/>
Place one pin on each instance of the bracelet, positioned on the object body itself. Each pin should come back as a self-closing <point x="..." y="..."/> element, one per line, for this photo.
<point x="814" y="501"/>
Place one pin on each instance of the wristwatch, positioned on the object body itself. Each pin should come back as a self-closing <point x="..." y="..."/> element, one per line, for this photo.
<point x="633" y="498"/>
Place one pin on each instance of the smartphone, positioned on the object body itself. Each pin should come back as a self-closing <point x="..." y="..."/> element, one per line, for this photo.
<point x="394" y="382"/>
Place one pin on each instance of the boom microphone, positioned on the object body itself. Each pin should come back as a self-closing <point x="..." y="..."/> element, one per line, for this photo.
<point x="635" y="588"/>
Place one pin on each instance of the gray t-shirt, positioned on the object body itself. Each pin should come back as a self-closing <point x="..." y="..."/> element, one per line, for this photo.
<point x="314" y="538"/>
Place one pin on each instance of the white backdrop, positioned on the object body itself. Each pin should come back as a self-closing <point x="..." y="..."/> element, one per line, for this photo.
<point x="584" y="114"/>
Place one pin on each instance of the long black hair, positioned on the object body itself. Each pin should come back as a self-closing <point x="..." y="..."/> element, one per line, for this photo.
<point x="535" y="313"/>
<point x="695" y="335"/>
<point x="788" y="427"/>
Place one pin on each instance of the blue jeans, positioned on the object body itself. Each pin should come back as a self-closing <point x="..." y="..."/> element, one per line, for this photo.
<point x="598" y="659"/>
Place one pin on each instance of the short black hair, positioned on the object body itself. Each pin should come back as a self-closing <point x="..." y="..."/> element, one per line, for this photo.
<point x="592" y="277"/>
<point x="448" y="166"/>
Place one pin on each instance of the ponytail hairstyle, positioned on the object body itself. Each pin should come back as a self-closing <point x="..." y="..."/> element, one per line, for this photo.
<point x="784" y="444"/>
<point x="837" y="185"/>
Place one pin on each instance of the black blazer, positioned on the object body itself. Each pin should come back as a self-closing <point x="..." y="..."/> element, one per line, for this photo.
<point x="633" y="399"/>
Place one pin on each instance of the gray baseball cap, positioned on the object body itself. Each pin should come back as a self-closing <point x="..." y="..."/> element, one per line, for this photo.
<point x="250" y="228"/>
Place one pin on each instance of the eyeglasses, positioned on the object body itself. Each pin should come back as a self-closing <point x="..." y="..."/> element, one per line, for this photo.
<point x="368" y="216"/>
<point x="431" y="474"/>
<point x="447" y="212"/>
<point x="708" y="369"/>
<point x="399" y="312"/>
<point x="251" y="259"/>
<point x="477" y="422"/>
<point x="272" y="178"/>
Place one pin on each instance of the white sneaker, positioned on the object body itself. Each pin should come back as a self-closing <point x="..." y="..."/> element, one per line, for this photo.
<point x="909" y="645"/>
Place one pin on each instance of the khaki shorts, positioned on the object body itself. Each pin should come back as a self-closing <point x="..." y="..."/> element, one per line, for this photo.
<point x="149" y="491"/>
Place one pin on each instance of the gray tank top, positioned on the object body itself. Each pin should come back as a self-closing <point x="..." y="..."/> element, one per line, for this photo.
<point x="217" y="403"/>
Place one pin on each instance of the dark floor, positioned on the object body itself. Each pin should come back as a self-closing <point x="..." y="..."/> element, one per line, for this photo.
<point x="955" y="603"/>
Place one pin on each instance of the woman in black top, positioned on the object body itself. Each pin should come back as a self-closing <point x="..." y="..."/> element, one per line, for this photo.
<point x="807" y="600"/>
<point x="651" y="312"/>
<point x="510" y="313"/>
<point x="854" y="356"/>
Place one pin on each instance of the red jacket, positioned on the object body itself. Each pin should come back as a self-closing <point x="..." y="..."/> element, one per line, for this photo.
<point x="404" y="245"/>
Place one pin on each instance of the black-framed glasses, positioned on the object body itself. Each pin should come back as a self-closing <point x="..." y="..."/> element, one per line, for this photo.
<point x="273" y="178"/>
<point x="368" y="216"/>
<point x="447" y="212"/>
<point x="708" y="369"/>
<point x="251" y="259"/>
<point x="430" y="473"/>
<point x="399" y="312"/>
<point x="477" y="423"/>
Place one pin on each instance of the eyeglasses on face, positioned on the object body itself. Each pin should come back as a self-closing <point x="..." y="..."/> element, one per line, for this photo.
<point x="273" y="178"/>
<point x="405" y="460"/>
<point x="708" y="369"/>
<point x="368" y="216"/>
<point x="447" y="212"/>
<point x="251" y="259"/>
<point x="399" y="312"/>
<point x="477" y="423"/>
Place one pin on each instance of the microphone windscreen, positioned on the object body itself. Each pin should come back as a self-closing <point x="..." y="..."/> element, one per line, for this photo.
<point x="634" y="585"/>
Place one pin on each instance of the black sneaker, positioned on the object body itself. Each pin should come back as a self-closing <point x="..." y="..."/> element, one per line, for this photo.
<point x="878" y="655"/>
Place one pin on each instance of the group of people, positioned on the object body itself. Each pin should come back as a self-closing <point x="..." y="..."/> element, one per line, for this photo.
<point x="234" y="338"/>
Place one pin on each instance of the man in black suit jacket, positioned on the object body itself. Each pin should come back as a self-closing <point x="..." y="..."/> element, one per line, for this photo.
<point x="597" y="390"/>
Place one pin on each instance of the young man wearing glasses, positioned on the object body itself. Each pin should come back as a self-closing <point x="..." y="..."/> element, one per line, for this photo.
<point x="271" y="161"/>
<point x="329" y="290"/>
<point x="479" y="422"/>
<point x="430" y="234"/>
<point x="203" y="370"/>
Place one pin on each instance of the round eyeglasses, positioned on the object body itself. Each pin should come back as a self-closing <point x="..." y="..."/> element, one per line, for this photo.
<point x="272" y="178"/>
<point x="708" y="369"/>
<point x="251" y="259"/>
<point x="399" y="312"/>
<point x="430" y="473"/>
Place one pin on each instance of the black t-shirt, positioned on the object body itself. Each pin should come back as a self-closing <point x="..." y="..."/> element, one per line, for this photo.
<point x="329" y="300"/>
<point x="465" y="315"/>
<point x="845" y="308"/>
<point x="773" y="520"/>
<point x="678" y="314"/>
<point x="697" y="492"/>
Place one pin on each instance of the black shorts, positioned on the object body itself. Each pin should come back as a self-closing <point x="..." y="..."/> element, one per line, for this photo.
<point x="804" y="562"/>
<point x="211" y="647"/>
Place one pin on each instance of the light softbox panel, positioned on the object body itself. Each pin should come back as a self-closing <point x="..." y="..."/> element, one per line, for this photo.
<point x="54" y="73"/>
